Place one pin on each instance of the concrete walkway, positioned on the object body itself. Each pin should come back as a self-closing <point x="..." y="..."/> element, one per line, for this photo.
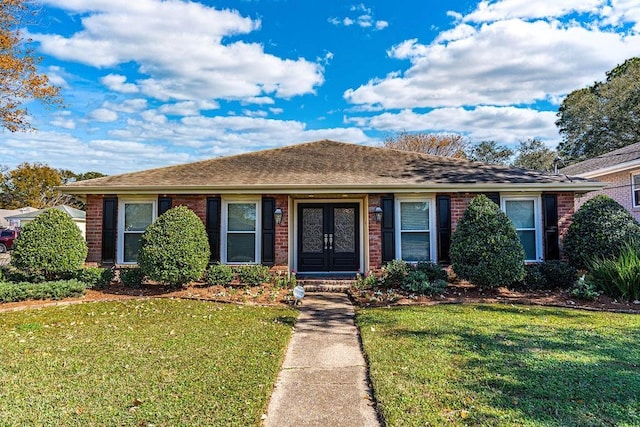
<point x="323" y="381"/>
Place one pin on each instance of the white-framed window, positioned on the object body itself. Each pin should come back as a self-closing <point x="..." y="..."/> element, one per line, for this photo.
<point x="241" y="231"/>
<point x="635" y="188"/>
<point x="524" y="213"/>
<point x="134" y="216"/>
<point x="415" y="233"/>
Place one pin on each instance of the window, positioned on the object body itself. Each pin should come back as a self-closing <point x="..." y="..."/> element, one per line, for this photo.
<point x="134" y="218"/>
<point x="635" y="186"/>
<point x="414" y="219"/>
<point x="240" y="238"/>
<point x="523" y="212"/>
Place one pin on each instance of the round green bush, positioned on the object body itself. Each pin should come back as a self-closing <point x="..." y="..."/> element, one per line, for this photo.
<point x="485" y="248"/>
<point x="51" y="245"/>
<point x="599" y="229"/>
<point x="175" y="248"/>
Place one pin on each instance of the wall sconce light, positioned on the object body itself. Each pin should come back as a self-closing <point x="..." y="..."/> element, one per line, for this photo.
<point x="277" y="214"/>
<point x="377" y="214"/>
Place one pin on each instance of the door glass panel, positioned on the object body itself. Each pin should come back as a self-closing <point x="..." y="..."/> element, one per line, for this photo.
<point x="344" y="230"/>
<point x="521" y="213"/>
<point x="241" y="247"/>
<point x="242" y="217"/>
<point x="137" y="216"/>
<point x="312" y="238"/>
<point x="414" y="216"/>
<point x="415" y="247"/>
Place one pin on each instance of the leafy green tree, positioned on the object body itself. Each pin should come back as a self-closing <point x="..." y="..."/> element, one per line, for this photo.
<point x="533" y="154"/>
<point x="51" y="244"/>
<point x="490" y="152"/>
<point x="485" y="248"/>
<point x="448" y="145"/>
<point x="175" y="248"/>
<point x="602" y="117"/>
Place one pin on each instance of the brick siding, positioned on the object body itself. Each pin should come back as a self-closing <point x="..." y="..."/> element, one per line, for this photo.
<point x="375" y="234"/>
<point x="94" y="228"/>
<point x="619" y="188"/>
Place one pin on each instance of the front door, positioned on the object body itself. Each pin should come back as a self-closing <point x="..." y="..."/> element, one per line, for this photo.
<point x="328" y="237"/>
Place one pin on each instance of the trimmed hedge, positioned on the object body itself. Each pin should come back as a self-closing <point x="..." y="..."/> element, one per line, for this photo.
<point x="12" y="292"/>
<point x="51" y="244"/>
<point x="175" y="248"/>
<point x="485" y="248"/>
<point x="599" y="229"/>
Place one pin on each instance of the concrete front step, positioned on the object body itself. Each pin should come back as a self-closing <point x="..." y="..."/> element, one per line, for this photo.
<point x="320" y="285"/>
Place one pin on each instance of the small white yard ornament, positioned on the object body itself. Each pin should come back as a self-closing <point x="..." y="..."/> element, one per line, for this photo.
<point x="298" y="294"/>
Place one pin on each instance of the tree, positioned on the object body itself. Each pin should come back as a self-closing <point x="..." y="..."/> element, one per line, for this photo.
<point x="20" y="80"/>
<point x="490" y="152"/>
<point x="602" y="117"/>
<point x="533" y="154"/>
<point x="485" y="248"/>
<point x="450" y="145"/>
<point x="51" y="244"/>
<point x="30" y="185"/>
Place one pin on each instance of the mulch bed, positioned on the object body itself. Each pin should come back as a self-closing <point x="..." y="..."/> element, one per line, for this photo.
<point x="457" y="293"/>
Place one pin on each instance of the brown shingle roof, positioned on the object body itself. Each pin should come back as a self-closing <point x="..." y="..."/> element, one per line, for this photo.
<point x="322" y="165"/>
<point x="628" y="154"/>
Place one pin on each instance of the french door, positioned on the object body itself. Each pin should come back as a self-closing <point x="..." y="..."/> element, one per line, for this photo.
<point x="328" y="237"/>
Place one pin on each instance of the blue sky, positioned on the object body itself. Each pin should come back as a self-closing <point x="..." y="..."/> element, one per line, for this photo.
<point x="150" y="83"/>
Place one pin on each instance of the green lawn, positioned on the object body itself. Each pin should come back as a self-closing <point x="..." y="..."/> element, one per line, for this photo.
<point x="503" y="365"/>
<point x="162" y="362"/>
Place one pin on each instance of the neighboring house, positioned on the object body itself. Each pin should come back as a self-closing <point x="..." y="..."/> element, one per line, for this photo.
<point x="4" y="213"/>
<point x="78" y="217"/>
<point x="619" y="170"/>
<point x="326" y="206"/>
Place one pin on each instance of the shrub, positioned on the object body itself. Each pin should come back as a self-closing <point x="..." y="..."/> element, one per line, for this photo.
<point x="584" y="289"/>
<point x="16" y="276"/>
<point x="369" y="281"/>
<point x="131" y="277"/>
<point x="599" y="229"/>
<point x="219" y="274"/>
<point x="285" y="279"/>
<point x="548" y="275"/>
<point x="12" y="292"/>
<point x="432" y="270"/>
<point x="418" y="281"/>
<point x="394" y="273"/>
<point x="619" y="277"/>
<point x="175" y="248"/>
<point x="254" y="275"/>
<point x="94" y="277"/>
<point x="485" y="248"/>
<point x="51" y="245"/>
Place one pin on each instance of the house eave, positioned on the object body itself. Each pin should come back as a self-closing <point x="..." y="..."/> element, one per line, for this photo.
<point x="467" y="187"/>
<point x="634" y="164"/>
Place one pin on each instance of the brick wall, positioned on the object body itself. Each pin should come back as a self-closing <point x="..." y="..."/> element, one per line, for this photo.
<point x="94" y="228"/>
<point x="282" y="231"/>
<point x="197" y="203"/>
<point x="375" y="234"/>
<point x="619" y="188"/>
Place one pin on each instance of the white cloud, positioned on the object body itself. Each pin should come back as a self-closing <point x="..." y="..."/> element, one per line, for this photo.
<point x="381" y="25"/>
<point x="118" y="32"/>
<point x="507" y="9"/>
<point x="117" y="83"/>
<point x="62" y="120"/>
<point x="103" y="115"/>
<point x="499" y="63"/>
<point x="503" y="124"/>
<point x="127" y="106"/>
<point x="363" y="18"/>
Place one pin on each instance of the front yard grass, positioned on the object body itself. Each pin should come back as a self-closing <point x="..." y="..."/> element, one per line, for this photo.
<point x="154" y="362"/>
<point x="503" y="365"/>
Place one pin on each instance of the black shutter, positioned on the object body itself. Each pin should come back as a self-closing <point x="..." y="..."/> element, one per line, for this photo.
<point x="213" y="227"/>
<point x="268" y="231"/>
<point x="388" y="231"/>
<point x="494" y="197"/>
<point x="164" y="204"/>
<point x="443" y="211"/>
<point x="109" y="229"/>
<point x="550" y="224"/>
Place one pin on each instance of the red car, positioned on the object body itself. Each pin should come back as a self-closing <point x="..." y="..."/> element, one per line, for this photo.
<point x="6" y="239"/>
